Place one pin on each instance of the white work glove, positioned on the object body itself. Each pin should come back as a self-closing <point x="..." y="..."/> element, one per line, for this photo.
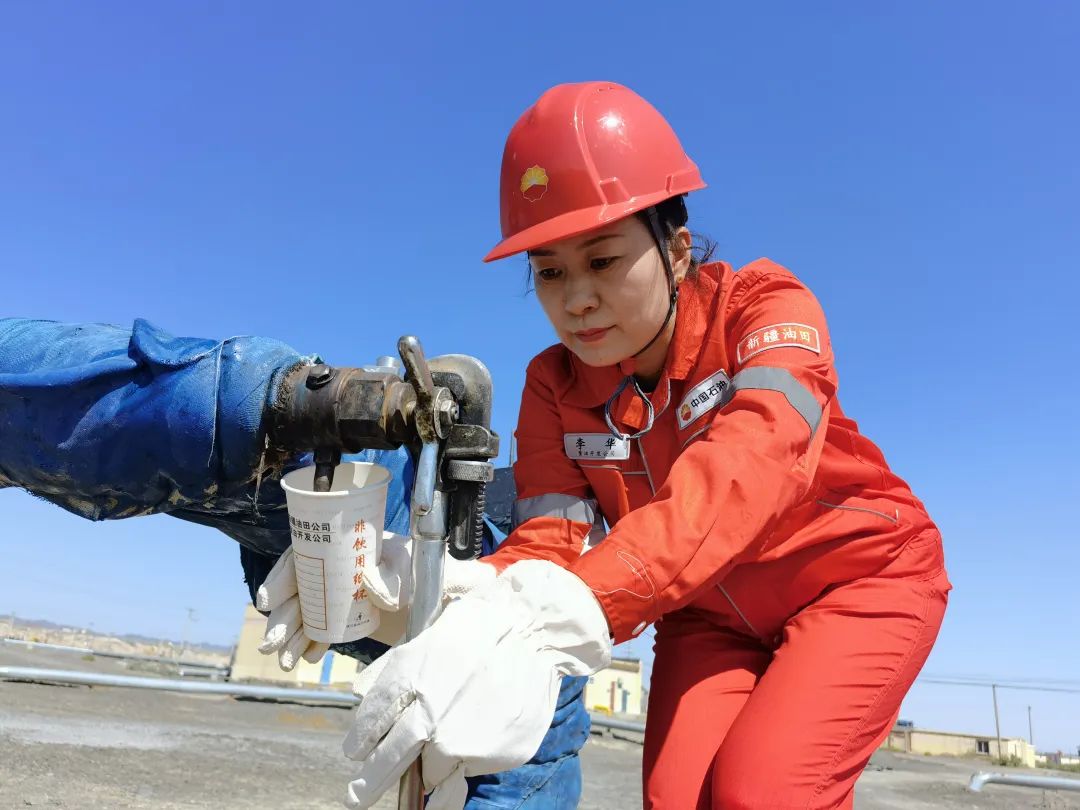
<point x="389" y="586"/>
<point x="459" y="578"/>
<point x="475" y="693"/>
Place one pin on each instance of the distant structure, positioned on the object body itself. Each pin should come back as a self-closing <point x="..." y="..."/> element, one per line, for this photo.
<point x="906" y="738"/>
<point x="249" y="665"/>
<point x="616" y="689"/>
<point x="1057" y="759"/>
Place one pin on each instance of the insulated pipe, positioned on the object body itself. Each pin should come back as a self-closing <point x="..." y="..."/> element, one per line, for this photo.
<point x="156" y="659"/>
<point x="35" y="674"/>
<point x="1022" y="780"/>
<point x="244" y="690"/>
<point x="46" y="646"/>
<point x="620" y="725"/>
<point x="39" y="675"/>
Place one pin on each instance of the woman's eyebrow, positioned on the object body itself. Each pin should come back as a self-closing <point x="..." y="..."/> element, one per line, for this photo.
<point x="582" y="246"/>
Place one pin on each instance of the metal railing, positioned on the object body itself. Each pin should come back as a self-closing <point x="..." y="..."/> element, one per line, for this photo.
<point x="67" y="676"/>
<point x="154" y="659"/>
<point x="620" y="725"/>
<point x="76" y="677"/>
<point x="979" y="780"/>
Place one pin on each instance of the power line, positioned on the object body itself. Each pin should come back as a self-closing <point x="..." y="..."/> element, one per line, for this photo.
<point x="981" y="678"/>
<point x="1031" y="687"/>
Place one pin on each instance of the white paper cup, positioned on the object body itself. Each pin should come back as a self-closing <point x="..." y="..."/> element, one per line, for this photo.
<point x="336" y="535"/>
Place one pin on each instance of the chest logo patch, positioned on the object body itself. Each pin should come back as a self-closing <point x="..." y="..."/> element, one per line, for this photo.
<point x="703" y="397"/>
<point x="796" y="335"/>
<point x="596" y="447"/>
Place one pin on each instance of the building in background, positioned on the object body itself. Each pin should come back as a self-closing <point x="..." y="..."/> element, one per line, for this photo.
<point x="1058" y="759"/>
<point x="911" y="740"/>
<point x="616" y="689"/>
<point x="249" y="664"/>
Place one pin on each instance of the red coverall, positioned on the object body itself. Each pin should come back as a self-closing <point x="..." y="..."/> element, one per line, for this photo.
<point x="796" y="583"/>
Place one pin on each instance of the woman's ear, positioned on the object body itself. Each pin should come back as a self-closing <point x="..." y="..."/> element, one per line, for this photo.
<point x="679" y="246"/>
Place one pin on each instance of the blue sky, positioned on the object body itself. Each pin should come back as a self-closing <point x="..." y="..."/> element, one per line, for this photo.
<point x="328" y="177"/>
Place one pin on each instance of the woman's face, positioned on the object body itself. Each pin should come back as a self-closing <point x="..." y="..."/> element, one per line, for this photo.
<point x="606" y="293"/>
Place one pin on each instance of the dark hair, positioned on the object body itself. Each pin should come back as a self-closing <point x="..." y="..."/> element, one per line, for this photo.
<point x="673" y="215"/>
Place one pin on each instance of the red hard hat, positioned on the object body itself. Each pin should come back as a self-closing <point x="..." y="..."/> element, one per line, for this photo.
<point x="582" y="156"/>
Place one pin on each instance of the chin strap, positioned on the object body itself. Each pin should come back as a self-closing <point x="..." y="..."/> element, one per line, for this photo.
<point x="628" y="366"/>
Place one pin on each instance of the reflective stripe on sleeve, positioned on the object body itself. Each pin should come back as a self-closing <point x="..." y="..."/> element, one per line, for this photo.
<point x="568" y="507"/>
<point x="769" y="378"/>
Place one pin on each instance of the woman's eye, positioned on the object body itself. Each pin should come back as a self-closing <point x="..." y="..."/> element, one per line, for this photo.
<point x="547" y="274"/>
<point x="601" y="263"/>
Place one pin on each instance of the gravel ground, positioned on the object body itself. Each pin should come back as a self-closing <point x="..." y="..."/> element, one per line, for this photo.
<point x="103" y="748"/>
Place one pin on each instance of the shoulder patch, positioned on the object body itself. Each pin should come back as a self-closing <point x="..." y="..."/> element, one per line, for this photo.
<point x="792" y="335"/>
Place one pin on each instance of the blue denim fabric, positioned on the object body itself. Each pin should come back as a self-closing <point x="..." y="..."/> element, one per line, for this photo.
<point x="113" y="423"/>
<point x="551" y="780"/>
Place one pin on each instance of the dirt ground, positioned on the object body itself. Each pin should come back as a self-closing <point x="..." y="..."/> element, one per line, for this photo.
<point x="105" y="748"/>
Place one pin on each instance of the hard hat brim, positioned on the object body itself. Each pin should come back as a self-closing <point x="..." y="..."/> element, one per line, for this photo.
<point x="575" y="223"/>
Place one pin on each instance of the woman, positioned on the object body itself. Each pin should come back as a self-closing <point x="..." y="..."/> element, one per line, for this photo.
<point x="796" y="583"/>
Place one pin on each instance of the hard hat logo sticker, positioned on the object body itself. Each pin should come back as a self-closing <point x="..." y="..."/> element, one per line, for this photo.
<point x="534" y="183"/>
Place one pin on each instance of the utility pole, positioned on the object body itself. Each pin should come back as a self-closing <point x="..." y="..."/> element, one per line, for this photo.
<point x="997" y="725"/>
<point x="187" y="626"/>
<point x="1031" y="734"/>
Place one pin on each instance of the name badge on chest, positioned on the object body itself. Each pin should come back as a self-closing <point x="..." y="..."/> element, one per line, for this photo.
<point x="703" y="397"/>
<point x="596" y="447"/>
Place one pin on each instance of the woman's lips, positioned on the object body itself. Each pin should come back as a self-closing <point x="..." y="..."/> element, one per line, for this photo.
<point x="591" y="335"/>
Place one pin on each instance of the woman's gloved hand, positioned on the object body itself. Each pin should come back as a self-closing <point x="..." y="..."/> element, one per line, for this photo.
<point x="475" y="692"/>
<point x="389" y="586"/>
